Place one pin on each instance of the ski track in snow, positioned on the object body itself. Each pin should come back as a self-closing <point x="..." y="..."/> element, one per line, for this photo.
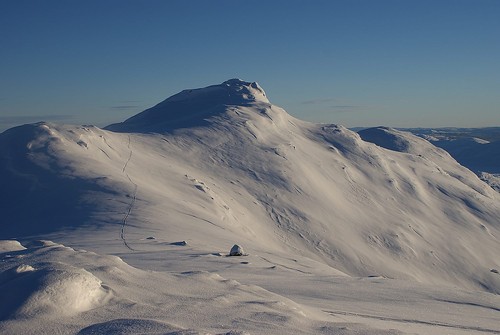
<point x="131" y="205"/>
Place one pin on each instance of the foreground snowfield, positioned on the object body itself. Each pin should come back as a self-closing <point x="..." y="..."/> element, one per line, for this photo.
<point x="380" y="232"/>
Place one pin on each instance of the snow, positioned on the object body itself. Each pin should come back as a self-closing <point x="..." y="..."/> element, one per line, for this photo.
<point x="492" y="179"/>
<point x="476" y="149"/>
<point x="373" y="233"/>
<point x="10" y="245"/>
<point x="191" y="107"/>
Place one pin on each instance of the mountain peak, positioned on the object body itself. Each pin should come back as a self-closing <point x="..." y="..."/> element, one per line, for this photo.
<point x="233" y="91"/>
<point x="192" y="107"/>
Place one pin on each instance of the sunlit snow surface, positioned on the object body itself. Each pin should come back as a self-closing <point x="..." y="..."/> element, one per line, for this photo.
<point x="341" y="236"/>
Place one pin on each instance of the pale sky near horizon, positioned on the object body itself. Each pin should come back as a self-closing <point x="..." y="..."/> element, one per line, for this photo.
<point x="397" y="63"/>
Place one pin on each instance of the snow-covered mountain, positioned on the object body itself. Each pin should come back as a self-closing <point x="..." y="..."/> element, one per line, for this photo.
<point x="208" y="168"/>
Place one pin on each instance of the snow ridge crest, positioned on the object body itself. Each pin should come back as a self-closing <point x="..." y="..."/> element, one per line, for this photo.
<point x="235" y="90"/>
<point x="193" y="107"/>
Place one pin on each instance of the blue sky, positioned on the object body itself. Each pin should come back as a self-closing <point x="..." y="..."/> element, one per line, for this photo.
<point x="357" y="63"/>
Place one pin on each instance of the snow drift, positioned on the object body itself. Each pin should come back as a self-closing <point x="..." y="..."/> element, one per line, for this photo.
<point x="75" y="291"/>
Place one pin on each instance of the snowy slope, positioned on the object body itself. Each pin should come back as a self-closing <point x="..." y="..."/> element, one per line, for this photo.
<point x="222" y="165"/>
<point x="475" y="148"/>
<point x="481" y="156"/>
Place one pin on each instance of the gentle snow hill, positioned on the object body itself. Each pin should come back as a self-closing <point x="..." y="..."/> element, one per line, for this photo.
<point x="219" y="165"/>
<point x="49" y="178"/>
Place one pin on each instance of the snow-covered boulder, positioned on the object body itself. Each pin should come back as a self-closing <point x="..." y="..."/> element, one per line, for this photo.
<point x="236" y="250"/>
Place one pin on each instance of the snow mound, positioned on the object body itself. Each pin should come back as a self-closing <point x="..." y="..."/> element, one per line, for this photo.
<point x="10" y="245"/>
<point x="50" y="289"/>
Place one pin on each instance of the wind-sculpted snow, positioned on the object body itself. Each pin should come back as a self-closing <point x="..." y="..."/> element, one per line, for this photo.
<point x="50" y="288"/>
<point x="221" y="166"/>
